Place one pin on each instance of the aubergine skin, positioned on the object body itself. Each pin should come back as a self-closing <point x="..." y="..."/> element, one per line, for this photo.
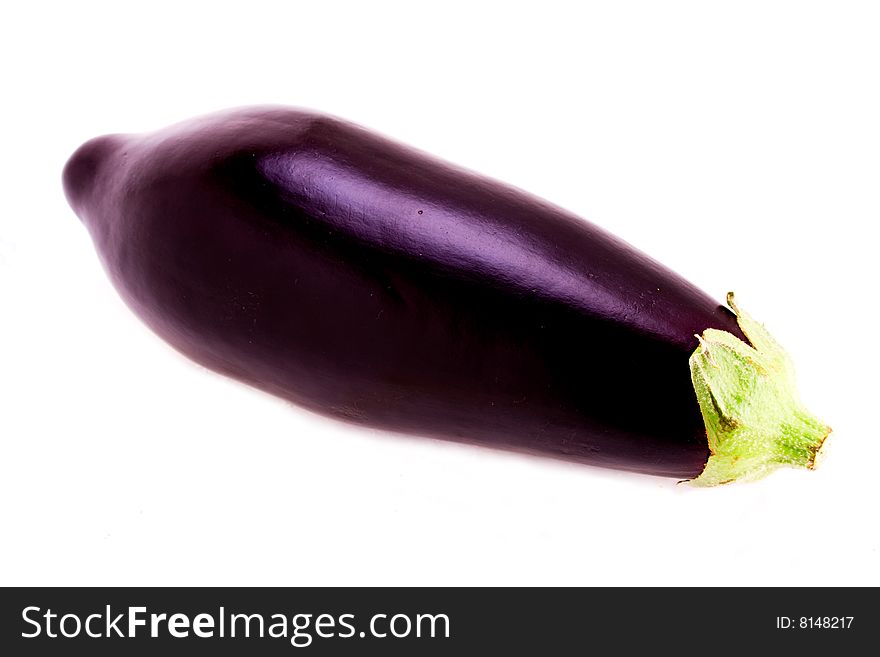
<point x="366" y="280"/>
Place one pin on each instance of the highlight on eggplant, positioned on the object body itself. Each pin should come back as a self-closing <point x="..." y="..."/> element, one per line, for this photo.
<point x="372" y="282"/>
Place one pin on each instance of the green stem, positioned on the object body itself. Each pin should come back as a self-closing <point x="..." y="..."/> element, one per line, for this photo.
<point x="754" y="419"/>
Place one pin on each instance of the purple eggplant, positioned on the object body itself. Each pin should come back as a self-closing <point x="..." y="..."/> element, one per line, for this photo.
<point x="366" y="280"/>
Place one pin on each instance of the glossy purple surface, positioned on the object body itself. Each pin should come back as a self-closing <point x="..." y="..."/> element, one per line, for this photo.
<point x="372" y="282"/>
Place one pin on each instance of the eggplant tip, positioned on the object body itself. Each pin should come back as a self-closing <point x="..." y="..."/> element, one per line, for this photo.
<point x="83" y="167"/>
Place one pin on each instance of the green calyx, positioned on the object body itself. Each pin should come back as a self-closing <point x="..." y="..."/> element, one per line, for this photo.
<point x="754" y="419"/>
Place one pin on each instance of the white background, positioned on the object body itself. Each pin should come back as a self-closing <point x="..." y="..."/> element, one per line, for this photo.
<point x="739" y="143"/>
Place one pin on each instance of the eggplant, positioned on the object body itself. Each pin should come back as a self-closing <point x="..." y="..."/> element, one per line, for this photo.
<point x="369" y="281"/>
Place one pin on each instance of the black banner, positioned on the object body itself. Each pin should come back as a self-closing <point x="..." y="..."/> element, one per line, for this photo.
<point x="276" y="621"/>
